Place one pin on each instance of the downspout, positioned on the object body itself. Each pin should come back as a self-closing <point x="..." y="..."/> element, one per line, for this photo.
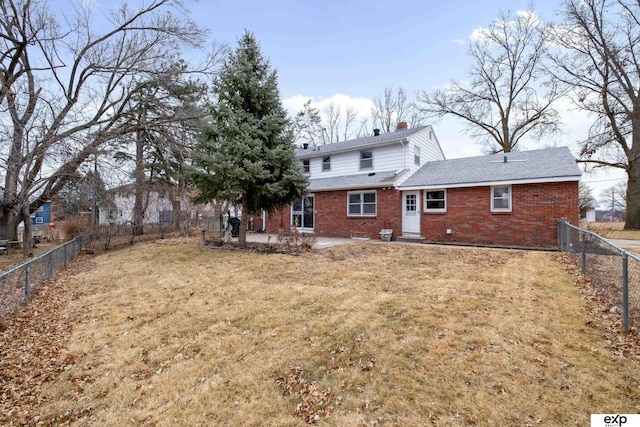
<point x="405" y="143"/>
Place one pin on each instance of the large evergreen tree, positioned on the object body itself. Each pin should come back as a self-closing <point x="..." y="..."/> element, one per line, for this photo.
<point x="246" y="155"/>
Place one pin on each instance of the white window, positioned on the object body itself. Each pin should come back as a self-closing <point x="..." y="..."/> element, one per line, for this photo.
<point x="326" y="163"/>
<point x="361" y="203"/>
<point x="39" y="220"/>
<point x="435" y="201"/>
<point x="366" y="159"/>
<point x="416" y="155"/>
<point x="305" y="166"/>
<point x="112" y="214"/>
<point x="501" y="199"/>
<point x="41" y="209"/>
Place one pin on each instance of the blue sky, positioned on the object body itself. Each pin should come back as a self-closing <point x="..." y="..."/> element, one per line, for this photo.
<point x="350" y="51"/>
<point x="357" y="47"/>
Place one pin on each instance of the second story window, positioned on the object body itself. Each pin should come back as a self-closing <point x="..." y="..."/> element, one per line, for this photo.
<point x="366" y="159"/>
<point x="326" y="163"/>
<point x="305" y="166"/>
<point x="416" y="155"/>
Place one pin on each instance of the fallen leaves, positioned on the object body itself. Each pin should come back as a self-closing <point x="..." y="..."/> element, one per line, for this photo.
<point x="314" y="403"/>
<point x="32" y="342"/>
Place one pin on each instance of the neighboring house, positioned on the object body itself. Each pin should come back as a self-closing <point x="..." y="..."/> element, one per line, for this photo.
<point x="42" y="215"/>
<point x="117" y="206"/>
<point x="588" y="213"/>
<point x="401" y="181"/>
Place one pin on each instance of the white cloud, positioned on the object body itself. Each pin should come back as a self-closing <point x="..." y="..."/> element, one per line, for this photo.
<point x="362" y="106"/>
<point x="459" y="41"/>
<point x="526" y="15"/>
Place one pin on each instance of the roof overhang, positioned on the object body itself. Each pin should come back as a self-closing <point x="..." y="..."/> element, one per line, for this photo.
<point x="492" y="183"/>
<point x="352" y="187"/>
<point x="310" y="153"/>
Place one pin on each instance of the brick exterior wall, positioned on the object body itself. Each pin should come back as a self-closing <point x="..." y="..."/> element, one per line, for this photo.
<point x="531" y="222"/>
<point x="331" y="218"/>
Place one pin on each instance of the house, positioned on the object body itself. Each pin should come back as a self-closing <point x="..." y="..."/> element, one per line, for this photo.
<point x="42" y="215"/>
<point x="401" y="181"/>
<point x="353" y="184"/>
<point x="588" y="213"/>
<point x="507" y="199"/>
<point x="117" y="206"/>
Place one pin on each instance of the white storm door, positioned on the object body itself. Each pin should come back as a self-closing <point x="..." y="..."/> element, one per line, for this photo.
<point x="411" y="212"/>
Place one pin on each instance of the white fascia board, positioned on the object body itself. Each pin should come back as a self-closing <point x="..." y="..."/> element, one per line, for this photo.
<point x="353" y="187"/>
<point x="313" y="154"/>
<point x="492" y="183"/>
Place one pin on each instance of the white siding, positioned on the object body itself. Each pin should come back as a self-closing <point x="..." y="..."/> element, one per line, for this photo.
<point x="393" y="157"/>
<point x="125" y="203"/>
<point x="429" y="151"/>
<point x="385" y="158"/>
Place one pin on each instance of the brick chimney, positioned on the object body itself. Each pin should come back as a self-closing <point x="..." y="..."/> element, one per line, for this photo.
<point x="402" y="126"/>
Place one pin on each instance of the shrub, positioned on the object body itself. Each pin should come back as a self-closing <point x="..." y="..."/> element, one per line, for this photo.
<point x="74" y="227"/>
<point x="293" y="240"/>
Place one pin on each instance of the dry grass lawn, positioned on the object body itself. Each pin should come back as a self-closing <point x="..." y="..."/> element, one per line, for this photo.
<point x="611" y="230"/>
<point x="357" y="335"/>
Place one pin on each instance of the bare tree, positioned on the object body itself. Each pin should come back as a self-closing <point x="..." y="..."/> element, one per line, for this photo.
<point x="306" y="126"/>
<point x="614" y="198"/>
<point x="585" y="197"/>
<point x="598" y="57"/>
<point x="389" y="109"/>
<point x="350" y="115"/>
<point x="65" y="89"/>
<point x="315" y="128"/>
<point x="333" y="117"/>
<point x="506" y="97"/>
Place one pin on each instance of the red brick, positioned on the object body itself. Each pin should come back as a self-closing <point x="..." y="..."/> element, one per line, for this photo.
<point x="531" y="223"/>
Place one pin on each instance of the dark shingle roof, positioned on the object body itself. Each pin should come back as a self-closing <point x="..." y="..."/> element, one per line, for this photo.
<point x="382" y="139"/>
<point x="552" y="164"/>
<point x="346" y="182"/>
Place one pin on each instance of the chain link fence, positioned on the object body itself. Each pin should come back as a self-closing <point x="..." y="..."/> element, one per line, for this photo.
<point x="614" y="271"/>
<point x="18" y="283"/>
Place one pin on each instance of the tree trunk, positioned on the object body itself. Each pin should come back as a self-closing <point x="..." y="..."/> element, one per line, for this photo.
<point x="27" y="234"/>
<point x="633" y="197"/>
<point x="139" y="206"/>
<point x="175" y="207"/>
<point x="9" y="221"/>
<point x="244" y="215"/>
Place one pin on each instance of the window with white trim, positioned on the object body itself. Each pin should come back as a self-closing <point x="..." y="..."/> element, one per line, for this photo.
<point x="501" y="198"/>
<point x="306" y="167"/>
<point x="326" y="163"/>
<point x="416" y="155"/>
<point x="361" y="203"/>
<point x="366" y="159"/>
<point x="435" y="201"/>
<point x="39" y="220"/>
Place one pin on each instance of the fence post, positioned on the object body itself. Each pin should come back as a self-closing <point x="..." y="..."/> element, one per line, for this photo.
<point x="65" y="254"/>
<point x="625" y="292"/>
<point x="567" y="237"/>
<point x="584" y="251"/>
<point x="26" y="284"/>
<point x="561" y="234"/>
<point x="49" y="270"/>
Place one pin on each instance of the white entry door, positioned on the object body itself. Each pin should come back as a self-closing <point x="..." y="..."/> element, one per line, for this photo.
<point x="411" y="212"/>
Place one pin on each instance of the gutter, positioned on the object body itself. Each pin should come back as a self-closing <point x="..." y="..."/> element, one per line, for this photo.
<point x="489" y="183"/>
<point x="310" y="153"/>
